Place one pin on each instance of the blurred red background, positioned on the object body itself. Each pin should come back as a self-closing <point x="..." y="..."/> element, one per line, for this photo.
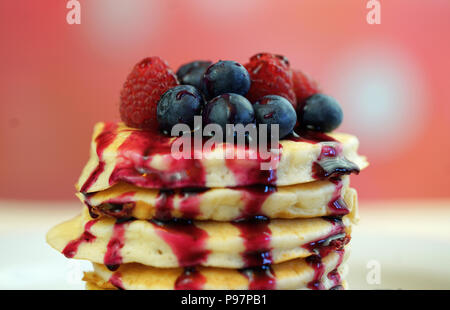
<point x="58" y="80"/>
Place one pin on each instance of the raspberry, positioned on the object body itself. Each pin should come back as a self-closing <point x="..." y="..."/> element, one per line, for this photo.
<point x="148" y="80"/>
<point x="270" y="75"/>
<point x="304" y="86"/>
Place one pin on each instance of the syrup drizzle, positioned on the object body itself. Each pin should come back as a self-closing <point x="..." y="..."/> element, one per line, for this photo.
<point x="260" y="278"/>
<point x="254" y="198"/>
<point x="136" y="155"/>
<point x="257" y="235"/>
<point x="334" y="241"/>
<point x="334" y="274"/>
<point x="187" y="241"/>
<point x="164" y="205"/>
<point x="116" y="280"/>
<point x="337" y="205"/>
<point x="190" y="202"/>
<point x="190" y="279"/>
<point x="315" y="261"/>
<point x="331" y="163"/>
<point x="103" y="140"/>
<point x="113" y="257"/>
<point x="70" y="250"/>
<point x="248" y="171"/>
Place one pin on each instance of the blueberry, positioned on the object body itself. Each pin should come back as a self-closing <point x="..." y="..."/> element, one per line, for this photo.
<point x="192" y="73"/>
<point x="228" y="109"/>
<point x="179" y="105"/>
<point x="320" y="113"/>
<point x="273" y="109"/>
<point x="226" y="77"/>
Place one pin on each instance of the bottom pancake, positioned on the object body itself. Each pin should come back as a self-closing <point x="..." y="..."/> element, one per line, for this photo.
<point x="312" y="272"/>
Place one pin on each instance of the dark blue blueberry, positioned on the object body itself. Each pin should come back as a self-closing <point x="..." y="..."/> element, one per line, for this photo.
<point x="273" y="109"/>
<point x="320" y="113"/>
<point x="192" y="73"/>
<point x="226" y="77"/>
<point x="179" y="105"/>
<point x="228" y="109"/>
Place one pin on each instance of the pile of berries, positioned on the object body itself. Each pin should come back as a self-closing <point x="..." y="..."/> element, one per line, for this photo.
<point x="263" y="91"/>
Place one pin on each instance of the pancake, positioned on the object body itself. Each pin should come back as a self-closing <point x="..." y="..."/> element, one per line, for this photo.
<point x="207" y="243"/>
<point x="309" y="273"/>
<point x="144" y="159"/>
<point x="313" y="199"/>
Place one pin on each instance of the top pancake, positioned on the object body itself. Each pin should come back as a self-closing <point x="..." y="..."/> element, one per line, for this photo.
<point x="144" y="159"/>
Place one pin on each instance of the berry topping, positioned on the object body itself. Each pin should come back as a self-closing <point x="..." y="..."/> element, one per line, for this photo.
<point x="140" y="94"/>
<point x="275" y="109"/>
<point x="226" y="77"/>
<point x="320" y="113"/>
<point x="192" y="73"/>
<point x="304" y="86"/>
<point x="228" y="109"/>
<point x="179" y="105"/>
<point x="270" y="75"/>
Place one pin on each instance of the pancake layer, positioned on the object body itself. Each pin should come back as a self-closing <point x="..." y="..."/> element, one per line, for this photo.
<point x="301" y="273"/>
<point x="206" y="243"/>
<point x="313" y="199"/>
<point x="144" y="159"/>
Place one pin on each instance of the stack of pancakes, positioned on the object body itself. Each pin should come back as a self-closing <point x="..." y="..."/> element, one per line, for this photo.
<point x="153" y="220"/>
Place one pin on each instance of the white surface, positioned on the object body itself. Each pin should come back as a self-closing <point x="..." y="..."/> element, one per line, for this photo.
<point x="410" y="243"/>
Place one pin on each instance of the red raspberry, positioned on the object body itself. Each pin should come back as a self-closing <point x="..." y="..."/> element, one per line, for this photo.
<point x="270" y="75"/>
<point x="304" y="86"/>
<point x="148" y="80"/>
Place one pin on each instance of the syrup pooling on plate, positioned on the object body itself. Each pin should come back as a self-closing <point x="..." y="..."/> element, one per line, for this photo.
<point x="190" y="279"/>
<point x="71" y="248"/>
<point x="103" y="140"/>
<point x="187" y="241"/>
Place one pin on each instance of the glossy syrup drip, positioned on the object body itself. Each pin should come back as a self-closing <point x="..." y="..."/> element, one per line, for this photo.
<point x="190" y="279"/>
<point x="187" y="241"/>
<point x="257" y="235"/>
<point x="113" y="257"/>
<point x="254" y="198"/>
<point x="331" y="163"/>
<point x="103" y="140"/>
<point x="334" y="274"/>
<point x="135" y="163"/>
<point x="315" y="261"/>
<point x="190" y="202"/>
<point x="120" y="207"/>
<point x="116" y="280"/>
<point x="260" y="278"/>
<point x="70" y="250"/>
<point x="337" y="204"/>
<point x="164" y="205"/>
<point x="335" y="240"/>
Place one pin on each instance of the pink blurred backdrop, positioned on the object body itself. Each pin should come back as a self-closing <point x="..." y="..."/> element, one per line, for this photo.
<point x="58" y="80"/>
